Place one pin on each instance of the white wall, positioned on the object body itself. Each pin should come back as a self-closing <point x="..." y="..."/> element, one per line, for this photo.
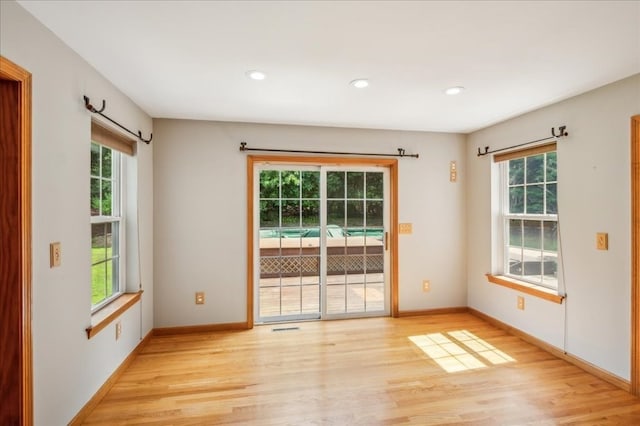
<point x="593" y="196"/>
<point x="200" y="213"/>
<point x="69" y="368"/>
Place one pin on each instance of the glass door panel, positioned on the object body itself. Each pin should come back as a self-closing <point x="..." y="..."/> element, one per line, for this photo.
<point x="289" y="272"/>
<point x="321" y="243"/>
<point x="356" y="281"/>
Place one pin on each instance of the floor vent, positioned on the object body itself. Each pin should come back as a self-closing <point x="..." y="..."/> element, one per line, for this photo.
<point x="285" y="329"/>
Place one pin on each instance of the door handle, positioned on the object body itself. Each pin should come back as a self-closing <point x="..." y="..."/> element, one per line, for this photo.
<point x="386" y="241"/>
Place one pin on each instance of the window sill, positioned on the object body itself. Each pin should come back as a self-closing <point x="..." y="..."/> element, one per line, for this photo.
<point x="109" y="313"/>
<point x="524" y="287"/>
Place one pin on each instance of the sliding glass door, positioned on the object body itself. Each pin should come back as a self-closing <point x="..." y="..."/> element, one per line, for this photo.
<point x="321" y="238"/>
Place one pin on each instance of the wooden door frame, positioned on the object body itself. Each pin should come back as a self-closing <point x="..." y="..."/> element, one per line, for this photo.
<point x="635" y="255"/>
<point x="390" y="163"/>
<point x="13" y="72"/>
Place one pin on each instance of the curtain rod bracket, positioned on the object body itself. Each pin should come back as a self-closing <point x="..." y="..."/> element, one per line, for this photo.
<point x="88" y="106"/>
<point x="562" y="132"/>
<point x="401" y="152"/>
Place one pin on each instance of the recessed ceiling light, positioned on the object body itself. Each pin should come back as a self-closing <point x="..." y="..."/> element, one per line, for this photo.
<point x="256" y="75"/>
<point x="360" y="83"/>
<point x="454" y="90"/>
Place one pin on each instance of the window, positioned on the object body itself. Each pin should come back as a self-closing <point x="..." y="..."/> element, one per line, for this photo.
<point x="529" y="213"/>
<point x="107" y="214"/>
<point x="106" y="226"/>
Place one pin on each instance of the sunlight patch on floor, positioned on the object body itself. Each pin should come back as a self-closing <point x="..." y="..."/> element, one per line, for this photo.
<point x="460" y="350"/>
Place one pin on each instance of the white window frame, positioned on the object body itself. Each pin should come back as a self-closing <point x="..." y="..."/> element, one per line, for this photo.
<point x="505" y="217"/>
<point x="118" y="225"/>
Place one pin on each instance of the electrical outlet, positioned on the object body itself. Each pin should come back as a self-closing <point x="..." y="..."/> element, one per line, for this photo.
<point x="200" y="298"/>
<point x="426" y="285"/>
<point x="602" y="241"/>
<point x="521" y="303"/>
<point x="118" y="330"/>
<point x="405" y="228"/>
<point x="55" y="255"/>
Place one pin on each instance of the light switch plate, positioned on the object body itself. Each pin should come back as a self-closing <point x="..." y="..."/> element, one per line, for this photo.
<point x="200" y="298"/>
<point x="602" y="241"/>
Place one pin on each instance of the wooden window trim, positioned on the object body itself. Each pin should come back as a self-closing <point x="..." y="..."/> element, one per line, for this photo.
<point x="525" y="152"/>
<point x="524" y="287"/>
<point x="106" y="315"/>
<point x="107" y="137"/>
<point x="390" y="163"/>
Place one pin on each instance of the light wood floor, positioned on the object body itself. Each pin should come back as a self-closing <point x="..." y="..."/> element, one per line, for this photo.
<point x="440" y="369"/>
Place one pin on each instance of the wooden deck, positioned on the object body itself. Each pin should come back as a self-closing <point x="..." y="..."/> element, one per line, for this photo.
<point x="301" y="295"/>
<point x="431" y="370"/>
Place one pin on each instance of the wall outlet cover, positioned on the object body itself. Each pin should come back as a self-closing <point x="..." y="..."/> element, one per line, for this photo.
<point x="55" y="254"/>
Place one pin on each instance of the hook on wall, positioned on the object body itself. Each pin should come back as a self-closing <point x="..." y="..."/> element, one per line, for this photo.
<point x="90" y="107"/>
<point x="561" y="133"/>
<point x="87" y="105"/>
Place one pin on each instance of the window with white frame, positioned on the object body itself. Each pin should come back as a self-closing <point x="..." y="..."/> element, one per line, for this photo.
<point x="529" y="206"/>
<point x="105" y="224"/>
<point x="107" y="214"/>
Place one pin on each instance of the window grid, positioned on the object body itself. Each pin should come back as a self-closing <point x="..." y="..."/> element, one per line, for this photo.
<point x="530" y="219"/>
<point x="106" y="220"/>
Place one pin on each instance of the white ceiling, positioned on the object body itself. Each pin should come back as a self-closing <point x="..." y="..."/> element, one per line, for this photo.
<point x="187" y="59"/>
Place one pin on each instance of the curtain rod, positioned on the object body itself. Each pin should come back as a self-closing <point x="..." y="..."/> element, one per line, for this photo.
<point x="561" y="134"/>
<point x="401" y="152"/>
<point x="87" y="105"/>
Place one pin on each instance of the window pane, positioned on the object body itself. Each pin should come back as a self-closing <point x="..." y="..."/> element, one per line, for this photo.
<point x="290" y="184"/>
<point x="535" y="168"/>
<point x="532" y="234"/>
<point x="516" y="171"/>
<point x="535" y="199"/>
<point x="109" y="279"/>
<point x="269" y="184"/>
<point x="98" y="282"/>
<point x="109" y="240"/>
<point x="515" y="260"/>
<point x="106" y="162"/>
<point x="335" y="212"/>
<point x="355" y="213"/>
<point x="106" y="198"/>
<point x="515" y="232"/>
<point x="374" y="185"/>
<point x="269" y="213"/>
<point x="335" y="184"/>
<point x="98" y="243"/>
<point x="310" y="184"/>
<point x="516" y="199"/>
<point x="552" y="198"/>
<point x="95" y="159"/>
<point x="310" y="213"/>
<point x="95" y="197"/>
<point x="374" y="213"/>
<point x="355" y="185"/>
<point x="550" y="236"/>
<point x="291" y="213"/>
<point x="552" y="166"/>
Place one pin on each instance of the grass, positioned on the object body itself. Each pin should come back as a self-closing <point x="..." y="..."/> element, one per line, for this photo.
<point x="101" y="274"/>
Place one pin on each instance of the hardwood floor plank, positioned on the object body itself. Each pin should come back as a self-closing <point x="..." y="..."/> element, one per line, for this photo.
<point x="432" y="370"/>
